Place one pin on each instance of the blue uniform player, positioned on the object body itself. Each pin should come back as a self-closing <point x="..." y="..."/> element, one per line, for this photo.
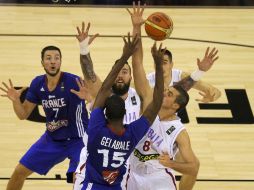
<point x="110" y="142"/>
<point x="66" y="119"/>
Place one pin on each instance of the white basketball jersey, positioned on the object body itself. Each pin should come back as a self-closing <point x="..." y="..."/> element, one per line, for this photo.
<point x="160" y="137"/>
<point x="132" y="106"/>
<point x="176" y="77"/>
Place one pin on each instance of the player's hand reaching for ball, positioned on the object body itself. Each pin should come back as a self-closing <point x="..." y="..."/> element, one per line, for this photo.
<point x="129" y="45"/>
<point x="158" y="54"/>
<point x="136" y="14"/>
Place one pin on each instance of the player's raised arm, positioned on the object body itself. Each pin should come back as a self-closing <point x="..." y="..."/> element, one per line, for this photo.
<point x="22" y="110"/>
<point x="86" y="63"/>
<point x="153" y="108"/>
<point x="141" y="83"/>
<point x="208" y="92"/>
<point x="105" y="90"/>
<point x="203" y="66"/>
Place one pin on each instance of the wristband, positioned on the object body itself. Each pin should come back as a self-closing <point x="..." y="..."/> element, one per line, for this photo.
<point x="196" y="75"/>
<point x="84" y="46"/>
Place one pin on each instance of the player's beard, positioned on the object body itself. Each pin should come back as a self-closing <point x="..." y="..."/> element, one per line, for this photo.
<point x="121" y="90"/>
<point x="52" y="74"/>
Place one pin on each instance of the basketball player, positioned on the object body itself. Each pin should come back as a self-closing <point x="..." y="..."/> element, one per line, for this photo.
<point x="120" y="87"/>
<point x="208" y="92"/>
<point x="66" y="119"/>
<point x="167" y="130"/>
<point x="110" y="142"/>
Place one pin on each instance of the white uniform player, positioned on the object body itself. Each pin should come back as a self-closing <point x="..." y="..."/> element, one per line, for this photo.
<point x="145" y="170"/>
<point x="132" y="106"/>
<point x="176" y="77"/>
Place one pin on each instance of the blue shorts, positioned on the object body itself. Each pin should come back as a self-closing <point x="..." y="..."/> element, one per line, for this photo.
<point x="46" y="153"/>
<point x="95" y="186"/>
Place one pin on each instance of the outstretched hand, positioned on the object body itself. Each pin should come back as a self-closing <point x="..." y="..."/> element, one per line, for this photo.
<point x="83" y="92"/>
<point x="208" y="59"/>
<point x="11" y="92"/>
<point x="83" y="34"/>
<point x="158" y="54"/>
<point x="129" y="45"/>
<point x="211" y="95"/>
<point x="136" y="14"/>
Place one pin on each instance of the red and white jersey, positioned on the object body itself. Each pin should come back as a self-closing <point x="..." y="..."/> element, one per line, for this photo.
<point x="160" y="138"/>
<point x="176" y="77"/>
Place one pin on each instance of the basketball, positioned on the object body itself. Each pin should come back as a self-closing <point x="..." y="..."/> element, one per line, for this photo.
<point x="159" y="26"/>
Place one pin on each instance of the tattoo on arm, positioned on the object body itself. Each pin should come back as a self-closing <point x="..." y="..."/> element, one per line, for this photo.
<point x="187" y="83"/>
<point x="87" y="67"/>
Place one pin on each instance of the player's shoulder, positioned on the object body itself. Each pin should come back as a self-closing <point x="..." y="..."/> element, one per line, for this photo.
<point x="70" y="75"/>
<point x="173" y="125"/>
<point x="39" y="79"/>
<point x="132" y="91"/>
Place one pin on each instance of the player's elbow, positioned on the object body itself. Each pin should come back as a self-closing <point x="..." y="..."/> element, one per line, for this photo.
<point x="196" y="165"/>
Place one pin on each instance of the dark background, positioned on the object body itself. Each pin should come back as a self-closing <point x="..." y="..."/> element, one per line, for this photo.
<point x="148" y="2"/>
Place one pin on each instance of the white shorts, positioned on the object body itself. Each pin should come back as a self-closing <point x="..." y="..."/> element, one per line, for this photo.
<point x="80" y="170"/>
<point x="159" y="180"/>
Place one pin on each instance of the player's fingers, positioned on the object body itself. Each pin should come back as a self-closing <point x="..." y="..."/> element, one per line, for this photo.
<point x="124" y="39"/>
<point x="142" y="10"/>
<point x="11" y="85"/>
<point x="202" y="93"/>
<point x="79" y="32"/>
<point x="3" y="90"/>
<point x="74" y="92"/>
<point x="129" y="37"/>
<point x="214" y="54"/>
<point x="5" y="85"/>
<point x="211" y="53"/>
<point x="207" y="51"/>
<point x="134" y="7"/>
<point x="88" y="27"/>
<point x="129" y="11"/>
<point x="92" y="38"/>
<point x="138" y="8"/>
<point x="215" y="59"/>
<point x="78" y="83"/>
<point x="160" y="47"/>
<point x="83" y="27"/>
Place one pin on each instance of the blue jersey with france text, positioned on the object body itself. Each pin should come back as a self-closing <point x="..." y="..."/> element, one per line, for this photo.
<point x="66" y="115"/>
<point x="108" y="152"/>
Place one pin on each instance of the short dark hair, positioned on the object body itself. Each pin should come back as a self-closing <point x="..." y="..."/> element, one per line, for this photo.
<point x="115" y="107"/>
<point x="169" y="54"/>
<point x="182" y="99"/>
<point x="50" y="48"/>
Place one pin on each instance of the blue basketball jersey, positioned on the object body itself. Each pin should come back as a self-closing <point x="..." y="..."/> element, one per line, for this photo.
<point x="107" y="151"/>
<point x="66" y="114"/>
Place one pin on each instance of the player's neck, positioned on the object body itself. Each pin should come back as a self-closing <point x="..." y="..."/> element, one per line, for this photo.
<point x="167" y="115"/>
<point x="52" y="81"/>
<point x="167" y="79"/>
<point x="116" y="127"/>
